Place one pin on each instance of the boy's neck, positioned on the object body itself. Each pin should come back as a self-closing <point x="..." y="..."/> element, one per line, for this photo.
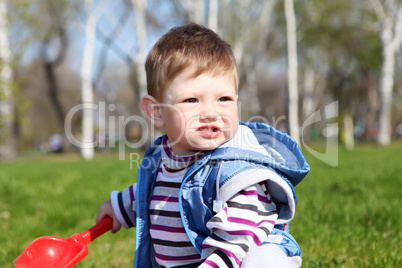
<point x="173" y="162"/>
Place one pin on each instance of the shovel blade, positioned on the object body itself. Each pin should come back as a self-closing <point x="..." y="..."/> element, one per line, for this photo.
<point x="51" y="251"/>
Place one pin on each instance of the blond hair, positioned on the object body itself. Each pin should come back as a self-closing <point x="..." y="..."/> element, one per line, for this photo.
<point x="183" y="47"/>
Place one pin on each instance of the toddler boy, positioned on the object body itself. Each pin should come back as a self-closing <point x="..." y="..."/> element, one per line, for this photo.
<point x="214" y="191"/>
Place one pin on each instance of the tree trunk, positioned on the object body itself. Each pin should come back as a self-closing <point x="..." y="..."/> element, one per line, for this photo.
<point x="50" y="67"/>
<point x="141" y="30"/>
<point x="253" y="101"/>
<point x="195" y="10"/>
<point x="87" y="94"/>
<point x="372" y="101"/>
<point x="213" y="15"/>
<point x="387" y="83"/>
<point x="250" y="40"/>
<point x="7" y="143"/>
<point x="140" y="7"/>
<point x="314" y="80"/>
<point x="349" y="132"/>
<point x="308" y="98"/>
<point x="292" y="71"/>
<point x="390" y="16"/>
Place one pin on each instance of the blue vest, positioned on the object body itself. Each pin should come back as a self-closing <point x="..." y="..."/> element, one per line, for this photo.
<point x="198" y="190"/>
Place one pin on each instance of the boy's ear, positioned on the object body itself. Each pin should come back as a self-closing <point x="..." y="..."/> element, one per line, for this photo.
<point x="151" y="108"/>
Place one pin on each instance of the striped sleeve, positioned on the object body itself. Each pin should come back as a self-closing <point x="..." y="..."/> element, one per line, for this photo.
<point x="244" y="223"/>
<point x="124" y="205"/>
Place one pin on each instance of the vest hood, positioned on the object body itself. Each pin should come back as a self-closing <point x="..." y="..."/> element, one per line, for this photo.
<point x="259" y="143"/>
<point x="262" y="144"/>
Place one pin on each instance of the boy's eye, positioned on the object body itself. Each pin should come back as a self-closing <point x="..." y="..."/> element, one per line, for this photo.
<point x="224" y="99"/>
<point x="191" y="100"/>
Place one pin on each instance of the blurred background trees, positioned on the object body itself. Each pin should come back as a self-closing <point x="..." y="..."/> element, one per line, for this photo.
<point x="7" y="143"/>
<point x="347" y="51"/>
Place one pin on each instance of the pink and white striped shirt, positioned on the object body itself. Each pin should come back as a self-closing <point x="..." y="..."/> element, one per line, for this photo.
<point x="244" y="222"/>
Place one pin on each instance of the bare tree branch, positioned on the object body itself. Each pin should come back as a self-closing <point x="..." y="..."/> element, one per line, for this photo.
<point x="50" y="66"/>
<point x="378" y="8"/>
<point x="108" y="42"/>
<point x="116" y="49"/>
<point x="398" y="29"/>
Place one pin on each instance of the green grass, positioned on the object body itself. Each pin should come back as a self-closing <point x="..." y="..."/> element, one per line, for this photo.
<point x="60" y="196"/>
<point x="350" y="215"/>
<point x="347" y="216"/>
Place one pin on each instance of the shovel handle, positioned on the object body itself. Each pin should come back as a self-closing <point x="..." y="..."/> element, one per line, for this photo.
<point x="94" y="232"/>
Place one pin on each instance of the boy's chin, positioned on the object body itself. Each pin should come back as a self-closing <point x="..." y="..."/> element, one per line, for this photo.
<point x="207" y="147"/>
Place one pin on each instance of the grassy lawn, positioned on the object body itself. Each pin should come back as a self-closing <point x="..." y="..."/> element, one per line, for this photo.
<point x="347" y="216"/>
<point x="350" y="215"/>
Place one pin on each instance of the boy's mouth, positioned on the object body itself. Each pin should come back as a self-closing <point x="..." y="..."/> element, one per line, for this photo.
<point x="209" y="131"/>
<point x="209" y="128"/>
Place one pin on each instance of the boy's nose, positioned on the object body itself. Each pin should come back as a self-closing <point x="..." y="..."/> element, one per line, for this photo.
<point x="209" y="117"/>
<point x="208" y="114"/>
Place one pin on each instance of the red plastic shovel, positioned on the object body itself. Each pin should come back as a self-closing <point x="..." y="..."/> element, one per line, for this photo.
<point x="51" y="251"/>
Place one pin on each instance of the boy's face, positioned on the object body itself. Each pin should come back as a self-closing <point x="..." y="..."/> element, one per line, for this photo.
<point x="199" y="113"/>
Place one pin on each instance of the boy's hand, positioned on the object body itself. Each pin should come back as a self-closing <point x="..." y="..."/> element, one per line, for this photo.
<point x="107" y="210"/>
